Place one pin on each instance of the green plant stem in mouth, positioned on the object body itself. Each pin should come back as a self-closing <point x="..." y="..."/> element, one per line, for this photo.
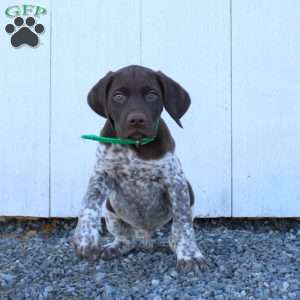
<point x="110" y="140"/>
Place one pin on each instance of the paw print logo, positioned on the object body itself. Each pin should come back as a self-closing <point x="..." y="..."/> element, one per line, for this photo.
<point x="24" y="33"/>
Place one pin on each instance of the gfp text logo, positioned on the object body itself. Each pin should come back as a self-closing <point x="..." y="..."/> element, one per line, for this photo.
<point x="24" y="30"/>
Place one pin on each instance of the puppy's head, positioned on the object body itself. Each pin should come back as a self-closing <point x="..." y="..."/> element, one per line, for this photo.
<point x="133" y="98"/>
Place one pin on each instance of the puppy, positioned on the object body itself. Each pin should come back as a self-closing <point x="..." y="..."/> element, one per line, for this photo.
<point x="138" y="188"/>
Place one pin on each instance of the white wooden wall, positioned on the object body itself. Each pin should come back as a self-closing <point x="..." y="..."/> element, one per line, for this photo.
<point x="239" y="60"/>
<point x="266" y="108"/>
<point x="24" y="123"/>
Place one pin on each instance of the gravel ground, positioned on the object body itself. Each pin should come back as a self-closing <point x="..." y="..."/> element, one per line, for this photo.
<point x="248" y="260"/>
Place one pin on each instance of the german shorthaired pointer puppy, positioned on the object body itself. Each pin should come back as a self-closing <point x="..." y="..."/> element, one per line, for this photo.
<point x="138" y="188"/>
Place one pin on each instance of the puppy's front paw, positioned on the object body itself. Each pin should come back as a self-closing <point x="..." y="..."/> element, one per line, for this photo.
<point x="85" y="249"/>
<point x="114" y="250"/>
<point x="86" y="244"/>
<point x="192" y="264"/>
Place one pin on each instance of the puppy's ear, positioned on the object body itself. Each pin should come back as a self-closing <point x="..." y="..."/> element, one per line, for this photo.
<point x="97" y="96"/>
<point x="175" y="98"/>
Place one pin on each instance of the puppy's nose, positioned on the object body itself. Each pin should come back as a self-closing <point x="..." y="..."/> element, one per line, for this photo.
<point x="136" y="119"/>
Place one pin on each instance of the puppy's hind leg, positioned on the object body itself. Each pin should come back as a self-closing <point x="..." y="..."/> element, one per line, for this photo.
<point x="122" y="232"/>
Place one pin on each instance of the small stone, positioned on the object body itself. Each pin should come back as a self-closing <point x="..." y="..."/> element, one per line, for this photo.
<point x="218" y="286"/>
<point x="257" y="266"/>
<point x="292" y="295"/>
<point x="7" y="281"/>
<point x="167" y="279"/>
<point x="239" y="248"/>
<point x="285" y="286"/>
<point x="47" y="290"/>
<point x="222" y="268"/>
<point x="31" y="233"/>
<point x="155" y="282"/>
<point x="19" y="230"/>
<point x="109" y="292"/>
<point x="172" y="292"/>
<point x="266" y="284"/>
<point x="228" y="289"/>
<point x="70" y="290"/>
<point x="292" y="236"/>
<point x="99" y="277"/>
<point x="173" y="273"/>
<point x="83" y="267"/>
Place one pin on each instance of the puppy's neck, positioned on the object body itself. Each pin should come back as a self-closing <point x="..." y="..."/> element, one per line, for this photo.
<point x="162" y="144"/>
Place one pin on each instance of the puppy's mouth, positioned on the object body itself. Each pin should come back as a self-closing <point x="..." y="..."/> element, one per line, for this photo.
<point x="137" y="135"/>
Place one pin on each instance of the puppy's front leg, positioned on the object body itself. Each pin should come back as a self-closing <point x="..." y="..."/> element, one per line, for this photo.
<point x="189" y="257"/>
<point x="88" y="229"/>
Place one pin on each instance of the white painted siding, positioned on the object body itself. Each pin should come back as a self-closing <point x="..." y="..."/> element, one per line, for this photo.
<point x="266" y="108"/>
<point x="24" y="122"/>
<point x="45" y="166"/>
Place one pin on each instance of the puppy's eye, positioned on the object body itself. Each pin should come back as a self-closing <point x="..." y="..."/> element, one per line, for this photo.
<point x="119" y="98"/>
<point x="152" y="96"/>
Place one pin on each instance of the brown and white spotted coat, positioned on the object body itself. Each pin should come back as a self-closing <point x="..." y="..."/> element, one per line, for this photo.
<point x="138" y="190"/>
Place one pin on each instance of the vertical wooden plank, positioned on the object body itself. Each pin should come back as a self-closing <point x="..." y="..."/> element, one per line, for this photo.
<point x="89" y="39"/>
<point x="266" y="108"/>
<point x="24" y="120"/>
<point x="191" y="43"/>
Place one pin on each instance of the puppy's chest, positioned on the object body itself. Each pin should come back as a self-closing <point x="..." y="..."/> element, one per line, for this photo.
<point x="139" y="186"/>
<point x="123" y="166"/>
